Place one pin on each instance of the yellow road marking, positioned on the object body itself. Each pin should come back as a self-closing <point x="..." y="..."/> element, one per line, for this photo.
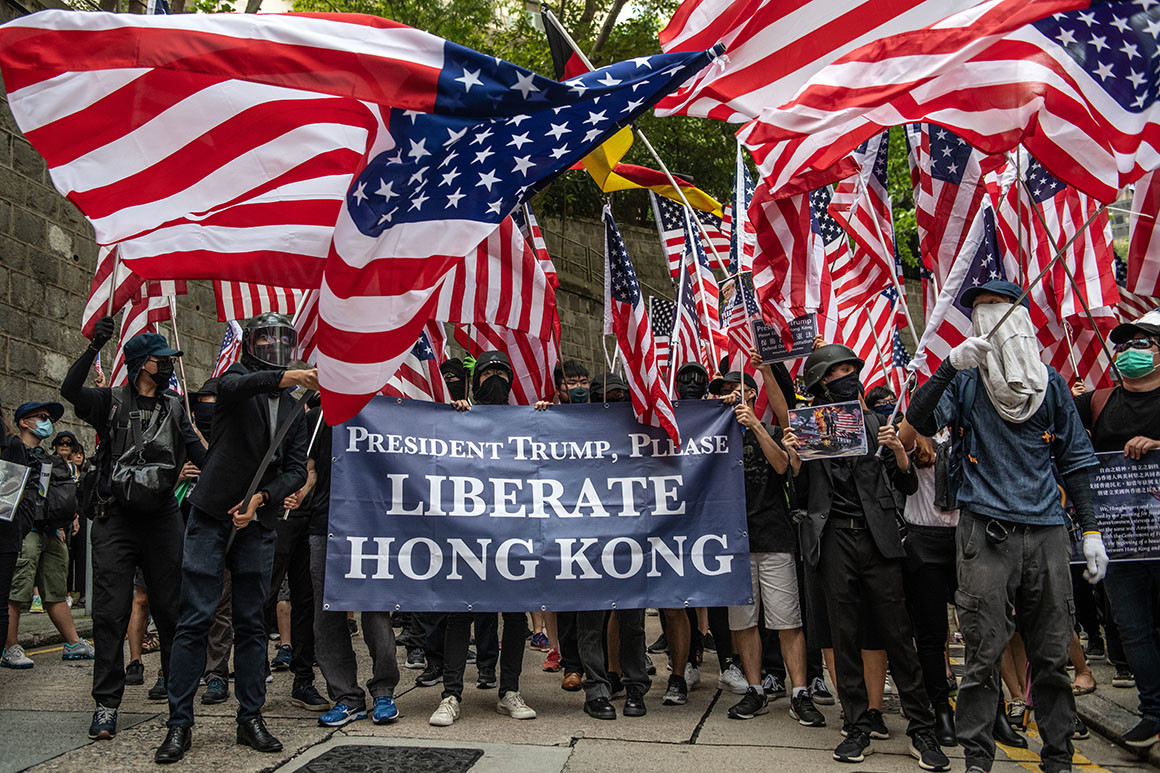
<point x="57" y="648"/>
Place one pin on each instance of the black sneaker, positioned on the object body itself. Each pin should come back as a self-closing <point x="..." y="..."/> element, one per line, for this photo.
<point x="217" y="690"/>
<point x="431" y="676"/>
<point x="650" y="667"/>
<point x="486" y="679"/>
<point x="659" y="646"/>
<point x="135" y="673"/>
<point x="471" y="657"/>
<point x="305" y="696"/>
<point x="158" y="692"/>
<point x="878" y="729"/>
<point x="803" y="710"/>
<point x="751" y="705"/>
<point x="854" y="747"/>
<point x="1095" y="649"/>
<point x="104" y="726"/>
<point x="708" y="642"/>
<point x="925" y="749"/>
<point x="615" y="686"/>
<point x="1079" y="731"/>
<point x="1123" y="677"/>
<point x="819" y="693"/>
<point x="677" y="693"/>
<point x="634" y="702"/>
<point x="774" y="687"/>
<point x="1143" y="735"/>
<point x="352" y="626"/>
<point x="416" y="658"/>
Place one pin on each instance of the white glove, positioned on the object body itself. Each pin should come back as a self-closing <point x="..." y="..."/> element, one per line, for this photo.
<point x="970" y="353"/>
<point x="1096" y="557"/>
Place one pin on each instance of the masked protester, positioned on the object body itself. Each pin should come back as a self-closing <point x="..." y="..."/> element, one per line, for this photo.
<point x="253" y="401"/>
<point x="490" y="385"/>
<point x="609" y="388"/>
<point x="572" y="384"/>
<point x="881" y="400"/>
<point x="145" y="438"/>
<point x="1012" y="420"/>
<point x="851" y="537"/>
<point x="46" y="511"/>
<point x="455" y="376"/>
<point x="1125" y="419"/>
<point x="692" y="381"/>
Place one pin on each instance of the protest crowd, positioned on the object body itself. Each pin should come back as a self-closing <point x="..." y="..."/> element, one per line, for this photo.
<point x="899" y="499"/>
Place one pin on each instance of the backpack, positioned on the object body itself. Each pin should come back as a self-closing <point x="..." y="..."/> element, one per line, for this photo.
<point x="139" y="463"/>
<point x="963" y="445"/>
<point x="50" y="495"/>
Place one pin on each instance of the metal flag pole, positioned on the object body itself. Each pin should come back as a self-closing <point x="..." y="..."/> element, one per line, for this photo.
<point x="703" y="303"/>
<point x="180" y="360"/>
<point x="1071" y="350"/>
<point x="113" y="280"/>
<point x="893" y="268"/>
<point x="309" y="448"/>
<point x="674" y="335"/>
<point x="878" y="347"/>
<point x="1019" y="214"/>
<point x="551" y="17"/>
<point x="1037" y="209"/>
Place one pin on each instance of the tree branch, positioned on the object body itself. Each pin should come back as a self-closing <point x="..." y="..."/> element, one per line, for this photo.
<point x="606" y="28"/>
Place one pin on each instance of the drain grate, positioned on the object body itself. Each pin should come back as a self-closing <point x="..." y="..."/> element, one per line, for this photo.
<point x="393" y="759"/>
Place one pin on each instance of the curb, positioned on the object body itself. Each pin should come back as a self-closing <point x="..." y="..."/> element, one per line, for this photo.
<point x="30" y="640"/>
<point x="1111" y="721"/>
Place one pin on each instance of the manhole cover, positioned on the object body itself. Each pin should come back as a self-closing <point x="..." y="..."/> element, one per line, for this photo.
<point x="393" y="759"/>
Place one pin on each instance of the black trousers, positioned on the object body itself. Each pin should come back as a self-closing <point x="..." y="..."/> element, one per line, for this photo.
<point x="9" y="552"/>
<point x="122" y="541"/>
<point x="434" y="627"/>
<point x="857" y="577"/>
<point x="722" y="636"/>
<point x="569" y="644"/>
<point x="930" y="579"/>
<point x="511" y="659"/>
<point x="77" y="558"/>
<point x="292" y="561"/>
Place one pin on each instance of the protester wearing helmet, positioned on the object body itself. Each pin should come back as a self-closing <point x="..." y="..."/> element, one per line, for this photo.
<point x="1126" y="418"/>
<point x="851" y="537"/>
<point x="253" y="402"/>
<point x="1012" y="419"/>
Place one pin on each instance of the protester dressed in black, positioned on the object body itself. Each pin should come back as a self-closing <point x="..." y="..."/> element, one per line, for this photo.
<point x="127" y="534"/>
<point x="253" y="401"/>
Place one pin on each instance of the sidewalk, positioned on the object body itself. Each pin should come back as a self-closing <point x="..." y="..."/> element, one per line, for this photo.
<point x="1111" y="711"/>
<point x="36" y="630"/>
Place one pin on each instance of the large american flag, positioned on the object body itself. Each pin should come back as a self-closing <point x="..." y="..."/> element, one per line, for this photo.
<point x="1074" y="84"/>
<point x="708" y="291"/>
<point x="140" y="316"/>
<point x="343" y="152"/>
<point x="1143" y="270"/>
<point x="634" y="338"/>
<point x="419" y="378"/>
<point x="533" y="359"/>
<point x="718" y="231"/>
<point x="1132" y="306"/>
<point x="127" y="288"/>
<point x="774" y="46"/>
<point x="231" y="349"/>
<point x="781" y="258"/>
<point x="862" y="207"/>
<point x="662" y="316"/>
<point x="743" y="240"/>
<point x="670" y="219"/>
<point x="242" y="300"/>
<point x="688" y="344"/>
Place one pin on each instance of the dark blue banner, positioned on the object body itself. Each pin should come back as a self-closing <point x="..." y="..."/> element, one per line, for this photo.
<point x="1126" y="495"/>
<point x="505" y="508"/>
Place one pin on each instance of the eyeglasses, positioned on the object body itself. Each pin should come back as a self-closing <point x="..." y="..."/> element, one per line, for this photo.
<point x="38" y="416"/>
<point x="1135" y="343"/>
<point x="162" y="360"/>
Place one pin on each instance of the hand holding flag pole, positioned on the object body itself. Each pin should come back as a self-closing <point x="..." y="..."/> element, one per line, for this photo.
<point x="309" y="448"/>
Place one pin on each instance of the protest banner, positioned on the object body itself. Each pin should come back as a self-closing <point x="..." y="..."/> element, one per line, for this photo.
<point x="1126" y="495"/>
<point x="772" y="348"/>
<point x="504" y="508"/>
<point x="829" y="431"/>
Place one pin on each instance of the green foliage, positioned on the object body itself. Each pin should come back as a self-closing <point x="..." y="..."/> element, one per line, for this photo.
<point x="902" y="200"/>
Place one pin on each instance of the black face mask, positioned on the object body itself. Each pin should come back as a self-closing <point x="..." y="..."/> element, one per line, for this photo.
<point x="162" y="376"/>
<point x="577" y="395"/>
<point x="843" y="389"/>
<point x="457" y="389"/>
<point x="203" y="416"/>
<point x="494" y="391"/>
<point x="692" y="391"/>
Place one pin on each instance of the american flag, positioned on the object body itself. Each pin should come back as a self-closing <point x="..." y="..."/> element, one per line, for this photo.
<point x="530" y="228"/>
<point x="862" y="207"/>
<point x="141" y="316"/>
<point x="774" y="47"/>
<point x="1143" y="274"/>
<point x="127" y="288"/>
<point x="634" y="338"/>
<point x="419" y="378"/>
<point x="1074" y="84"/>
<point x="670" y="219"/>
<point x="948" y="197"/>
<point x="231" y="349"/>
<point x="1132" y="306"/>
<point x="742" y="241"/>
<point x="828" y="247"/>
<point x="741" y="313"/>
<point x="533" y="359"/>
<point x="781" y="259"/>
<point x="661" y="315"/>
<point x="687" y="343"/>
<point x="349" y="153"/>
<point x="869" y="331"/>
<point x="718" y="233"/>
<point x="708" y="292"/>
<point x="242" y="300"/>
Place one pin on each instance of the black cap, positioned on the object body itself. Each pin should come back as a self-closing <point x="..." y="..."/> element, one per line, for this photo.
<point x="606" y="382"/>
<point x="209" y="388"/>
<point x="55" y="410"/>
<point x="66" y="435"/>
<point x="997" y="286"/>
<point x="717" y="385"/>
<point x="1146" y="325"/>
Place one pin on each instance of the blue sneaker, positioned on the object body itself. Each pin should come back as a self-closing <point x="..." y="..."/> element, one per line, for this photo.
<point x="385" y="710"/>
<point x="342" y="714"/>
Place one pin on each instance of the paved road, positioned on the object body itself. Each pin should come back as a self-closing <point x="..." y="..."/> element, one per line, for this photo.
<point x="44" y="714"/>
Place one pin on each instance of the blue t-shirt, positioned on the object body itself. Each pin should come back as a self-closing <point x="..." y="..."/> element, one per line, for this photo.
<point x="1012" y="478"/>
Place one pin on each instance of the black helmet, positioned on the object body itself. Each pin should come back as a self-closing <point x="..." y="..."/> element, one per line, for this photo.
<point x="487" y="360"/>
<point x="823" y="358"/>
<point x="268" y="342"/>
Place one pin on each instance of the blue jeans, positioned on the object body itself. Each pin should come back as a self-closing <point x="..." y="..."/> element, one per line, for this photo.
<point x="1132" y="587"/>
<point x="251" y="562"/>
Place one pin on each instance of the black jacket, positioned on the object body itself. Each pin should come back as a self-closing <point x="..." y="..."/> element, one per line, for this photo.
<point x="814" y="487"/>
<point x="238" y="441"/>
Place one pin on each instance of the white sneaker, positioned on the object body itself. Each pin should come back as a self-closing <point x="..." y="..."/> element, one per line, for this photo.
<point x="14" y="657"/>
<point x="513" y="705"/>
<point x="733" y="680"/>
<point x="692" y="675"/>
<point x="82" y="650"/>
<point x="447" y="712"/>
<point x="888" y="688"/>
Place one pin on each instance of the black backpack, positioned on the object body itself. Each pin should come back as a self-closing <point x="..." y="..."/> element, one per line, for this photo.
<point x="50" y="495"/>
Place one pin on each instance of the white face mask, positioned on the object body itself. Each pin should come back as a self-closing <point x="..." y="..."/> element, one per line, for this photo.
<point x="985" y="316"/>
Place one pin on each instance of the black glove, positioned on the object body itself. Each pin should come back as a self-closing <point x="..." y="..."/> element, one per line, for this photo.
<point x="102" y="332"/>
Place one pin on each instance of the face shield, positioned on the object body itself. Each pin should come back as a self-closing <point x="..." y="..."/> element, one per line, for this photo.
<point x="272" y="346"/>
